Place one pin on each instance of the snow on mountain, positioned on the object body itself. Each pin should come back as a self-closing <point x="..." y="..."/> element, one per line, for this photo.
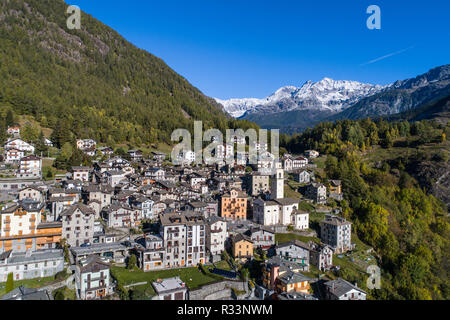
<point x="327" y="94"/>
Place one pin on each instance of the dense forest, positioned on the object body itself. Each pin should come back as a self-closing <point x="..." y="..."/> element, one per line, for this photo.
<point x="391" y="208"/>
<point x="91" y="82"/>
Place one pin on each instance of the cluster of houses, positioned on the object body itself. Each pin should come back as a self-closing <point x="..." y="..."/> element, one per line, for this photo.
<point x="103" y="213"/>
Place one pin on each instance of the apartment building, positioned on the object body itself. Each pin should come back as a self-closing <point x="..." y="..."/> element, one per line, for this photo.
<point x="258" y="184"/>
<point x="317" y="192"/>
<point x="195" y="238"/>
<point x="173" y="231"/>
<point x="216" y="235"/>
<point x="337" y="233"/>
<point x="22" y="228"/>
<point x="242" y="247"/>
<point x="151" y="255"/>
<point x="93" y="278"/>
<point x="81" y="173"/>
<point x="78" y="224"/>
<point x="32" y="193"/>
<point x="30" y="167"/>
<point x="321" y="256"/>
<point x="234" y="205"/>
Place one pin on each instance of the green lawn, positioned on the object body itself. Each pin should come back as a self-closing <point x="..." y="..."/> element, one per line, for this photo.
<point x="223" y="265"/>
<point x="29" y="283"/>
<point x="193" y="277"/>
<point x="286" y="237"/>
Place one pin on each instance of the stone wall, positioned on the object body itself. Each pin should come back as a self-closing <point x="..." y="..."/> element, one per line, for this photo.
<point x="217" y="290"/>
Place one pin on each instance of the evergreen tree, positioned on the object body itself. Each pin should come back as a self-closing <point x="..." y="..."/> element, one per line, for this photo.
<point x="40" y="146"/>
<point x="9" y="118"/>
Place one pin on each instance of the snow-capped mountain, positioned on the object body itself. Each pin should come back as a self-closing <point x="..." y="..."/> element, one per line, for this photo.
<point x="327" y="94"/>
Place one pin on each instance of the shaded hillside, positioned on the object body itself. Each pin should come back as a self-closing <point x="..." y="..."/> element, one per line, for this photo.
<point x="402" y="96"/>
<point x="437" y="110"/>
<point x="289" y="122"/>
<point x="91" y="82"/>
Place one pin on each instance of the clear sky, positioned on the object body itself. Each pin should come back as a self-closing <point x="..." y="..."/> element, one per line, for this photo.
<point x="248" y="48"/>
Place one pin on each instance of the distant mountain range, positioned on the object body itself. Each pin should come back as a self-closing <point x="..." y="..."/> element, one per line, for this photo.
<point x="293" y="109"/>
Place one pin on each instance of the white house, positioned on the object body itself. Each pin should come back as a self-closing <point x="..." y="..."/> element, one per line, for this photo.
<point x="30" y="265"/>
<point x="30" y="166"/>
<point x="113" y="177"/>
<point x="84" y="144"/>
<point x="312" y="154"/>
<point x="81" y="173"/>
<point x="20" y="145"/>
<point x="13" y="155"/>
<point x="13" y="130"/>
<point x="170" y="289"/>
<point x="186" y="157"/>
<point x="341" y="289"/>
<point x="48" y="142"/>
<point x="300" y="220"/>
<point x="299" y="162"/>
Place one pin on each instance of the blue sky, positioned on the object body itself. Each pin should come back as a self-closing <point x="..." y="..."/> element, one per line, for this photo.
<point x="247" y="48"/>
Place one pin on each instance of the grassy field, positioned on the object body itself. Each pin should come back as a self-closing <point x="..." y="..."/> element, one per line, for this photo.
<point x="29" y="283"/>
<point x="193" y="277"/>
<point x="291" y="192"/>
<point x="286" y="237"/>
<point x="223" y="265"/>
<point x="305" y="206"/>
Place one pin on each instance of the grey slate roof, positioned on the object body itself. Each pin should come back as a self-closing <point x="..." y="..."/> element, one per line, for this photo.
<point x="340" y="287"/>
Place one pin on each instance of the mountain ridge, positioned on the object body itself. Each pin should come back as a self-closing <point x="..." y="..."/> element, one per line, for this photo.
<point x="340" y="99"/>
<point x="327" y="93"/>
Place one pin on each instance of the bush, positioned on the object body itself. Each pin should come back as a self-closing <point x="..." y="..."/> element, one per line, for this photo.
<point x="59" y="295"/>
<point x="132" y="261"/>
<point x="61" y="275"/>
<point x="9" y="283"/>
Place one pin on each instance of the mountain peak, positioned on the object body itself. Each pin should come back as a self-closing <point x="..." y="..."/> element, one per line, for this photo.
<point x="326" y="94"/>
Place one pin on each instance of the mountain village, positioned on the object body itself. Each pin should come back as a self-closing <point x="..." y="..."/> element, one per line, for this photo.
<point x="220" y="232"/>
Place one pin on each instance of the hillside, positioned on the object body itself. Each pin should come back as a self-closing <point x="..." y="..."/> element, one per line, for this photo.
<point x="91" y="82"/>
<point x="438" y="110"/>
<point x="395" y="181"/>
